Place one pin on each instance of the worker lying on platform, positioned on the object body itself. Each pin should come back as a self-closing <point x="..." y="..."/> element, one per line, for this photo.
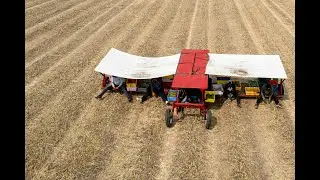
<point x="231" y="93"/>
<point x="116" y="83"/>
<point x="267" y="94"/>
<point x="147" y="94"/>
<point x="157" y="88"/>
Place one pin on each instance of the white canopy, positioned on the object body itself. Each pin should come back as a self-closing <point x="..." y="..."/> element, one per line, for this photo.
<point x="246" y="66"/>
<point x="129" y="66"/>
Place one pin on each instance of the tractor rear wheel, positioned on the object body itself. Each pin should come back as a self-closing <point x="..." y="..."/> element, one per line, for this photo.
<point x="208" y="119"/>
<point x="169" y="118"/>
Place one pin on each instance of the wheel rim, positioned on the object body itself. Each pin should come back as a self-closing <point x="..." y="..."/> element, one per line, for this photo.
<point x="170" y="120"/>
<point x="207" y="122"/>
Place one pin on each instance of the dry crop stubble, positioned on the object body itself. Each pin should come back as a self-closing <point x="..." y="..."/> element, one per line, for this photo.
<point x="71" y="92"/>
<point x="59" y="32"/>
<point x="39" y="14"/>
<point x="71" y="135"/>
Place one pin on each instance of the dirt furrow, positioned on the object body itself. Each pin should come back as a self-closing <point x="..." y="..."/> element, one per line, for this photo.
<point x="30" y="4"/>
<point x="237" y="144"/>
<point x="137" y="148"/>
<point x="150" y="41"/>
<point x="38" y="15"/>
<point x="192" y="23"/>
<point x="256" y="41"/>
<point x="60" y="75"/>
<point x="199" y="34"/>
<point x="52" y="58"/>
<point x="89" y="143"/>
<point x="139" y="29"/>
<point x="190" y="150"/>
<point x="167" y="150"/>
<point x="275" y="134"/>
<point x="218" y="32"/>
<point x="41" y="28"/>
<point x="73" y="94"/>
<point x="286" y="16"/>
<point x="59" y="33"/>
<point x="259" y="143"/>
<point x="176" y="37"/>
<point x="179" y="31"/>
<point x="289" y="28"/>
<point x="34" y="4"/>
<point x="287" y="6"/>
<point x="71" y="135"/>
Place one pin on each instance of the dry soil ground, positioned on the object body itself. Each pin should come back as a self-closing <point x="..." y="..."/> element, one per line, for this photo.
<point x="71" y="135"/>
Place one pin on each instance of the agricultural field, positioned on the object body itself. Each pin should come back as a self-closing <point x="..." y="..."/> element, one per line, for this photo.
<point x="72" y="135"/>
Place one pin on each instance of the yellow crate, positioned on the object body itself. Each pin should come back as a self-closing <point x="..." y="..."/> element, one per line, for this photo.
<point x="131" y="84"/>
<point x="169" y="77"/>
<point x="253" y="89"/>
<point x="251" y="93"/>
<point x="222" y="81"/>
<point x="210" y="96"/>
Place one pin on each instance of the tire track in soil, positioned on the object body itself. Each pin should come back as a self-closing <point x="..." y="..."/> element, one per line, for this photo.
<point x="198" y="35"/>
<point x="172" y="41"/>
<point x="206" y="150"/>
<point x="275" y="15"/>
<point x="58" y="34"/>
<point x="140" y="36"/>
<point x="239" y="151"/>
<point x="177" y="34"/>
<point x="53" y="58"/>
<point x="258" y="44"/>
<point x="216" y="159"/>
<point x="145" y="150"/>
<point x="218" y="30"/>
<point x="241" y="33"/>
<point x="188" y="157"/>
<point x="60" y="75"/>
<point x="39" y="29"/>
<point x="192" y="23"/>
<point x="286" y="16"/>
<point x="168" y="147"/>
<point x="242" y="168"/>
<point x="144" y="155"/>
<point x="173" y="136"/>
<point x="269" y="142"/>
<point x="63" y="100"/>
<point x="136" y="153"/>
<point x="151" y="40"/>
<point x="276" y="137"/>
<point x="98" y="21"/>
<point x="88" y="144"/>
<point x="286" y="6"/>
<point x="40" y="14"/>
<point x="35" y="4"/>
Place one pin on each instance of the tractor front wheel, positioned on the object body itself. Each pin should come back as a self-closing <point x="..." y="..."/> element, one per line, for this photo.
<point x="169" y="118"/>
<point x="208" y="119"/>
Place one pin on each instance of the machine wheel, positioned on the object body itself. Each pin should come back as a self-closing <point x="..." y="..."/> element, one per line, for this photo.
<point x="169" y="118"/>
<point x="282" y="90"/>
<point x="208" y="119"/>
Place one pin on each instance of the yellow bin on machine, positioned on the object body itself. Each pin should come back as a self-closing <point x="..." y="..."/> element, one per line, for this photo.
<point x="210" y="96"/>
